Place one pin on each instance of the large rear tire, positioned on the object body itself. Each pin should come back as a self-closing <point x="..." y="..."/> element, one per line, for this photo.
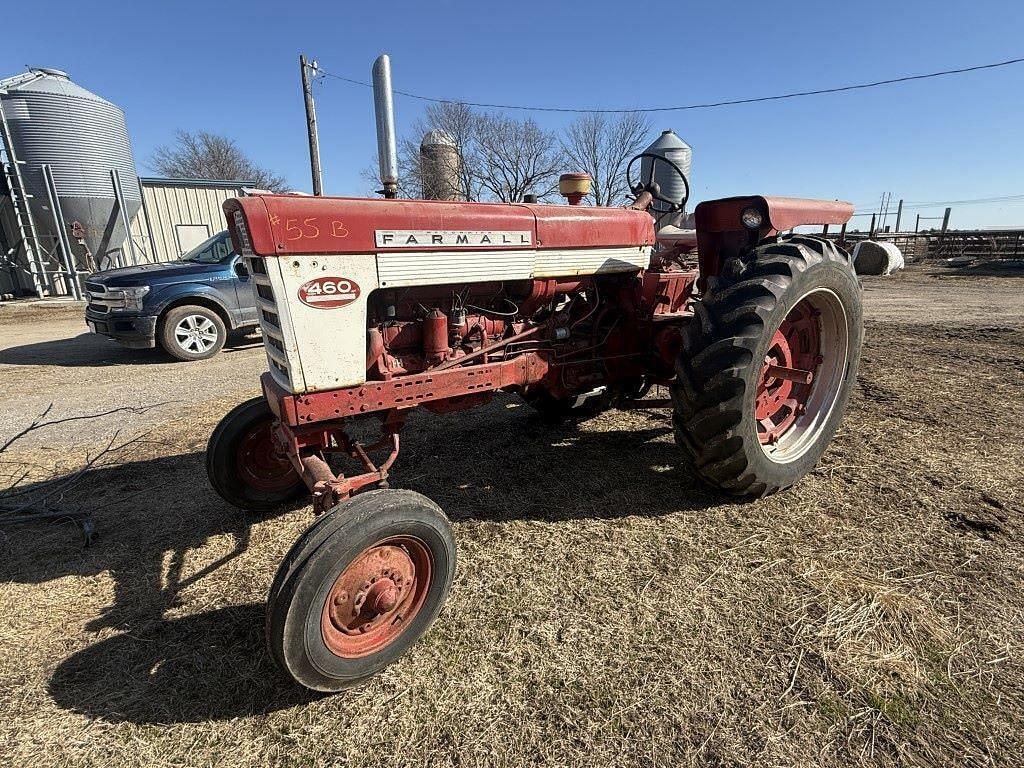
<point x="243" y="464"/>
<point x="359" y="588"/>
<point x="748" y="421"/>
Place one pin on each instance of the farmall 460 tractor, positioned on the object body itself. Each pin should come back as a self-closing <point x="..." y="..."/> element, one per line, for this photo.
<point x="372" y="307"/>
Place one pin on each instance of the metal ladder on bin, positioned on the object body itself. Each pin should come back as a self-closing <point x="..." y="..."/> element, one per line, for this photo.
<point x="28" y="236"/>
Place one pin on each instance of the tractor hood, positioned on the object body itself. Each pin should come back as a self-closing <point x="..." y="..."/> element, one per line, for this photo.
<point x="280" y="225"/>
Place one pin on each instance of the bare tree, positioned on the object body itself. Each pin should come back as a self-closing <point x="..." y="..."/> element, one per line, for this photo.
<point x="602" y="146"/>
<point x="517" y="157"/>
<point x="206" y="155"/>
<point x="499" y="158"/>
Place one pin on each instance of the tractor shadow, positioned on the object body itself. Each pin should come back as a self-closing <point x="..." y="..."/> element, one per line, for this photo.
<point x="499" y="463"/>
<point x="87" y="350"/>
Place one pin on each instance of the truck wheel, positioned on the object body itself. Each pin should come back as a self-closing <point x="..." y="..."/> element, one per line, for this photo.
<point x="745" y="411"/>
<point x="363" y="584"/>
<point x="243" y="464"/>
<point x="192" y="333"/>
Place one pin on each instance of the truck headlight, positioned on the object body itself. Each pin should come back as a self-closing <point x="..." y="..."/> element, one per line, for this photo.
<point x="751" y="218"/>
<point x="133" y="296"/>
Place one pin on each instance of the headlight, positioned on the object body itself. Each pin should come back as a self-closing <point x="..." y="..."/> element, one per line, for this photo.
<point x="751" y="218"/>
<point x="133" y="296"/>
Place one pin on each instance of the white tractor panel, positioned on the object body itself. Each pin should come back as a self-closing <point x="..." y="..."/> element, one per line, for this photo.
<point x="326" y="345"/>
<point x="443" y="267"/>
<point x="591" y="261"/>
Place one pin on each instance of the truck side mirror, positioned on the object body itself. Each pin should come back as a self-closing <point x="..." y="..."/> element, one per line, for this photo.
<point x="241" y="271"/>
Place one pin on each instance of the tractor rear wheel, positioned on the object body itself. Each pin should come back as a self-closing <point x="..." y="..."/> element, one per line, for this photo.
<point x="768" y="364"/>
<point x="359" y="588"/>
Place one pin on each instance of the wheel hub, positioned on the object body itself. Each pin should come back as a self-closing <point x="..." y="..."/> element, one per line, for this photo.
<point x="195" y="333"/>
<point x="787" y="373"/>
<point x="376" y="597"/>
<point x="260" y="464"/>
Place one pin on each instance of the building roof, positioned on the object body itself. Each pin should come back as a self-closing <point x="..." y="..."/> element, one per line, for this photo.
<point x="152" y="181"/>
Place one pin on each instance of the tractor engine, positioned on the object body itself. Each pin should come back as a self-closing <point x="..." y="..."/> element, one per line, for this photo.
<point x="354" y="291"/>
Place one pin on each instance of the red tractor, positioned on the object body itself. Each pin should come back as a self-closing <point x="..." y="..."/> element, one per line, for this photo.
<point x="371" y="308"/>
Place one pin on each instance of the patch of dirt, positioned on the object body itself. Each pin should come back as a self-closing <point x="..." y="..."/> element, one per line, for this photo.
<point x="608" y="609"/>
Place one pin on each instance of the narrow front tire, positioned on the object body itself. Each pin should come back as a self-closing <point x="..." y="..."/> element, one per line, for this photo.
<point x="243" y="463"/>
<point x="359" y="588"/>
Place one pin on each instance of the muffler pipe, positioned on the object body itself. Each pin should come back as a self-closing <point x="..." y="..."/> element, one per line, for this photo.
<point x="384" y="109"/>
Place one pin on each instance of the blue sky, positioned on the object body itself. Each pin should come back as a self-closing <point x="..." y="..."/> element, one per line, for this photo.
<point x="232" y="68"/>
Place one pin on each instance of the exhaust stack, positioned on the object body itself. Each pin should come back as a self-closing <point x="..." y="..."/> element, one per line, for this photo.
<point x="384" y="109"/>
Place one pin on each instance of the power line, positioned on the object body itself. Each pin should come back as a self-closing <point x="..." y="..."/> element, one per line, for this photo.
<point x="910" y="204"/>
<point x="708" y="105"/>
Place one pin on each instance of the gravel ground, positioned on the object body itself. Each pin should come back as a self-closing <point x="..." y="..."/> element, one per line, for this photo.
<point x="47" y="356"/>
<point x="608" y="610"/>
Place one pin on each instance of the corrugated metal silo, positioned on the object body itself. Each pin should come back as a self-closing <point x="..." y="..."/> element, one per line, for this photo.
<point x="671" y="147"/>
<point x="82" y="138"/>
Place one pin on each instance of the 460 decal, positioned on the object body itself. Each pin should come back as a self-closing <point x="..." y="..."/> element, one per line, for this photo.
<point x="328" y="292"/>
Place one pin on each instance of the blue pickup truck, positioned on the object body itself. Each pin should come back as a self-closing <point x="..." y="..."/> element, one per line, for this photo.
<point x="188" y="306"/>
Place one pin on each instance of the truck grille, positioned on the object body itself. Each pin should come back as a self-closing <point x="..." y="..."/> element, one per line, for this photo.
<point x="270" y="321"/>
<point x="100" y="301"/>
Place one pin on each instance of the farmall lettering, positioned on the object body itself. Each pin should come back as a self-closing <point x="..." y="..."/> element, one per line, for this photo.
<point x="328" y="292"/>
<point x="414" y="238"/>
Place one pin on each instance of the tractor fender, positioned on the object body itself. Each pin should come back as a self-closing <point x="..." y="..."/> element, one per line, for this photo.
<point x="721" y="234"/>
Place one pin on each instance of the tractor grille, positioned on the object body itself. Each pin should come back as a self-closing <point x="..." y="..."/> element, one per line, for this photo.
<point x="270" y="321"/>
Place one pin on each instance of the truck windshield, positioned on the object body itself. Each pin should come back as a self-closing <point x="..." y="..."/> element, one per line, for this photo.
<point x="212" y="251"/>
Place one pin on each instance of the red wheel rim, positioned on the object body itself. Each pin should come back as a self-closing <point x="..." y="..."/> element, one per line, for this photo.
<point x="259" y="463"/>
<point x="795" y="349"/>
<point x="376" y="597"/>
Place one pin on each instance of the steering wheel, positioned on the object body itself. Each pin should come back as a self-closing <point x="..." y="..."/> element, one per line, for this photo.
<point x="653" y="187"/>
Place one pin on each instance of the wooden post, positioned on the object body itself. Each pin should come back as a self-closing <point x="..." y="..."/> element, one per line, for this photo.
<point x="917" y="224"/>
<point x="314" y="142"/>
<point x="871" y="231"/>
<point x="945" y="221"/>
<point x="899" y="215"/>
<point x="824" y="229"/>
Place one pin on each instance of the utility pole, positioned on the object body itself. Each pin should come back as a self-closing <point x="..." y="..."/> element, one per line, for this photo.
<point x="314" y="142"/>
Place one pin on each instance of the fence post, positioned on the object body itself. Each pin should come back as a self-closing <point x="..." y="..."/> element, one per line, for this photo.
<point x="945" y="221"/>
<point x="871" y="231"/>
<point x="917" y="224"/>
<point x="899" y="215"/>
<point x="824" y="229"/>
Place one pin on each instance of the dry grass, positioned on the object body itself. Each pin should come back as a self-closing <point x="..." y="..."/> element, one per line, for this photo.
<point x="607" y="609"/>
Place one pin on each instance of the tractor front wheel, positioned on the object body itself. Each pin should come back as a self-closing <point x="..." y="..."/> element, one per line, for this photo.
<point x="363" y="584"/>
<point x="768" y="364"/>
<point x="243" y="464"/>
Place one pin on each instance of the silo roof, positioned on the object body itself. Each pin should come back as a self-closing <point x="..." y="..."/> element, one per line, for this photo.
<point x="53" y="81"/>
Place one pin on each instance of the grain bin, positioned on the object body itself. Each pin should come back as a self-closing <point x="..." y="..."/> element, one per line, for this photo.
<point x="440" y="167"/>
<point x="674" y="149"/>
<point x="82" y="138"/>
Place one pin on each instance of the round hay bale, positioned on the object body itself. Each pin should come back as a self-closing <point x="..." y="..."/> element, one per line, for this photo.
<point x="871" y="257"/>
